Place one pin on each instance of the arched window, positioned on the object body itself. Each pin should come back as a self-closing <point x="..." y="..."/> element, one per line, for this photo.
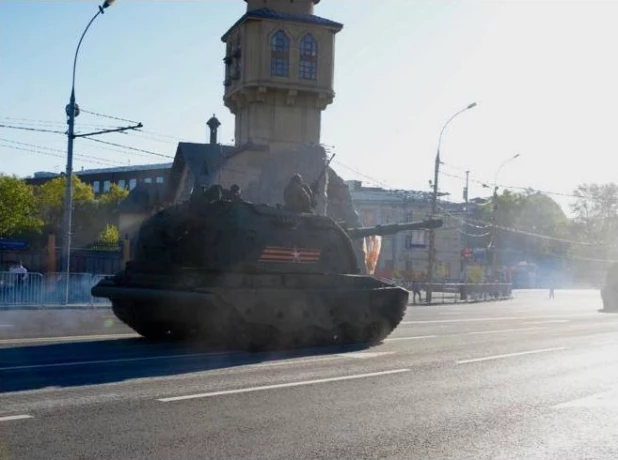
<point x="280" y="55"/>
<point x="308" y="58"/>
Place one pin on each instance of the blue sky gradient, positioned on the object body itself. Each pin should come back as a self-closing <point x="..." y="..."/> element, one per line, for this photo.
<point x="542" y="73"/>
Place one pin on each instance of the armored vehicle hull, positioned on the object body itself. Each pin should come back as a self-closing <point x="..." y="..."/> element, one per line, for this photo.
<point x="252" y="276"/>
<point x="257" y="311"/>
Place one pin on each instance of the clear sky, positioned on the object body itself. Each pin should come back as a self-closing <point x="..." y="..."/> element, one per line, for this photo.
<point x="543" y="73"/>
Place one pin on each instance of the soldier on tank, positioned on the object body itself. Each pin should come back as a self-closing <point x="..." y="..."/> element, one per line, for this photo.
<point x="233" y="194"/>
<point x="297" y="195"/>
<point x="201" y="196"/>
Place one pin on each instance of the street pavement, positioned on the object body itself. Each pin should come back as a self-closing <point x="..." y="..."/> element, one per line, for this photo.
<point x="526" y="378"/>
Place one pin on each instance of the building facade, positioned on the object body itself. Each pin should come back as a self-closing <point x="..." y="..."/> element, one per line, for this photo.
<point x="405" y="255"/>
<point x="101" y="179"/>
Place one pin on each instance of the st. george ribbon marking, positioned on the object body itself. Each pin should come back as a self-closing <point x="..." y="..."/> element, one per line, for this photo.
<point x="290" y="255"/>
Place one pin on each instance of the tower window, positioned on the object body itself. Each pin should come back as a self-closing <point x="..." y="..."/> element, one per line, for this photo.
<point x="280" y="54"/>
<point x="308" y="58"/>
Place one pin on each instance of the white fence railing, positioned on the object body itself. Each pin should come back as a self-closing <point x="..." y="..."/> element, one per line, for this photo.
<point x="37" y="289"/>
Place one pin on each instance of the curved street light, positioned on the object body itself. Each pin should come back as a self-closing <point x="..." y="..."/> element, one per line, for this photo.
<point x="434" y="204"/>
<point x="72" y="110"/>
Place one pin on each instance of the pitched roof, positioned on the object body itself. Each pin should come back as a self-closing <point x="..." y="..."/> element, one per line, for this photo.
<point x="267" y="13"/>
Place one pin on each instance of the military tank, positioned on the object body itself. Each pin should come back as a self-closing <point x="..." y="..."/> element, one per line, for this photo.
<point x="253" y="276"/>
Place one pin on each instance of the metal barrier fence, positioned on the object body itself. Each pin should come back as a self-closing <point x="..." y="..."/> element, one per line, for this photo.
<point x="36" y="289"/>
<point x="461" y="292"/>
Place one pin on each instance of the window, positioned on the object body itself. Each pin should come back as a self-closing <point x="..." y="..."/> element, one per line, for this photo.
<point x="159" y="180"/>
<point x="106" y="186"/>
<point x="122" y="183"/>
<point x="280" y="55"/>
<point x="148" y="180"/>
<point x="308" y="58"/>
<point x="132" y="184"/>
<point x="96" y="186"/>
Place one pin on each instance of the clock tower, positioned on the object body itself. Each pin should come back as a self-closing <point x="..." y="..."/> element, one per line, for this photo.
<point x="279" y="65"/>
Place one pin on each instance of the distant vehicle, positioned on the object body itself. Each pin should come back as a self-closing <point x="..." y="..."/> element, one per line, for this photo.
<point x="609" y="290"/>
<point x="253" y="276"/>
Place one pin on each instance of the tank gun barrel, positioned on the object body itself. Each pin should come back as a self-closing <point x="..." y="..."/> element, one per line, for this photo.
<point x="391" y="229"/>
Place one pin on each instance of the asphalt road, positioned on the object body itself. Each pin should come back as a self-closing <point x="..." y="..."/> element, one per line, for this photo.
<point x="528" y="378"/>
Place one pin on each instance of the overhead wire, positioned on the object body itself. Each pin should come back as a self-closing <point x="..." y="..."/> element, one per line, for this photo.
<point x="42" y="147"/>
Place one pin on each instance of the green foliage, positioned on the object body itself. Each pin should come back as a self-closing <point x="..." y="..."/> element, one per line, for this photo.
<point x="18" y="210"/>
<point x="109" y="235"/>
<point x="115" y="195"/>
<point x="528" y="214"/>
<point x="50" y="197"/>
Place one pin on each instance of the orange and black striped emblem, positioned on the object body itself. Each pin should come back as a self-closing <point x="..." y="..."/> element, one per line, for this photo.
<point x="290" y="255"/>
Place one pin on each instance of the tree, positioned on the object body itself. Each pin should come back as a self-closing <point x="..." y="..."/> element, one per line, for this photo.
<point x="18" y="211"/>
<point x="529" y="226"/>
<point x="50" y="197"/>
<point x="109" y="235"/>
<point x="596" y="212"/>
<point x="115" y="195"/>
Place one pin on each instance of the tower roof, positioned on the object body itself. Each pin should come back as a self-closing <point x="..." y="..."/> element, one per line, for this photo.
<point x="267" y="13"/>
<point x="213" y="123"/>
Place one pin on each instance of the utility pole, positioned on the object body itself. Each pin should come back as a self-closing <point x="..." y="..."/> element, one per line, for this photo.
<point x="431" y="253"/>
<point x="432" y="232"/>
<point x="466" y="237"/>
<point x="494" y="215"/>
<point x="72" y="111"/>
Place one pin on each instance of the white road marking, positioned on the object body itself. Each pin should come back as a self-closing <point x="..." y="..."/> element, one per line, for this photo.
<point x="282" y="385"/>
<point x="510" y="355"/>
<point x="7" y="325"/>
<point x="411" y="338"/>
<point x="500" y="318"/>
<point x="497" y="331"/>
<point x="365" y="354"/>
<point x="110" y="361"/>
<point x="68" y="338"/>
<point x="549" y="321"/>
<point x="14" y="417"/>
<point x="605" y="342"/>
<point x="604" y="400"/>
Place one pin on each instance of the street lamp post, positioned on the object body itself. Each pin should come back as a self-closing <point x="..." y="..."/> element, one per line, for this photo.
<point x="434" y="205"/>
<point x="72" y="110"/>
<point x="493" y="241"/>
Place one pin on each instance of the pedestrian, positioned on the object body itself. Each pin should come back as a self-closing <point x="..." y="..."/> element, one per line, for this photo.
<point x="551" y="288"/>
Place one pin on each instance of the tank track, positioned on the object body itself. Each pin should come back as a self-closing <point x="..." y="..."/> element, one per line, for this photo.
<point x="240" y="335"/>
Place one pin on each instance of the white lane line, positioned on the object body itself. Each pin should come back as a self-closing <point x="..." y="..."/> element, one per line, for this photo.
<point x="498" y="331"/>
<point x="109" y="361"/>
<point x="365" y="354"/>
<point x="7" y="325"/>
<point x="510" y="355"/>
<point x="411" y="338"/>
<point x="14" y="417"/>
<point x="500" y="318"/>
<point x="549" y="321"/>
<point x="68" y="338"/>
<point x="604" y="400"/>
<point x="282" y="385"/>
